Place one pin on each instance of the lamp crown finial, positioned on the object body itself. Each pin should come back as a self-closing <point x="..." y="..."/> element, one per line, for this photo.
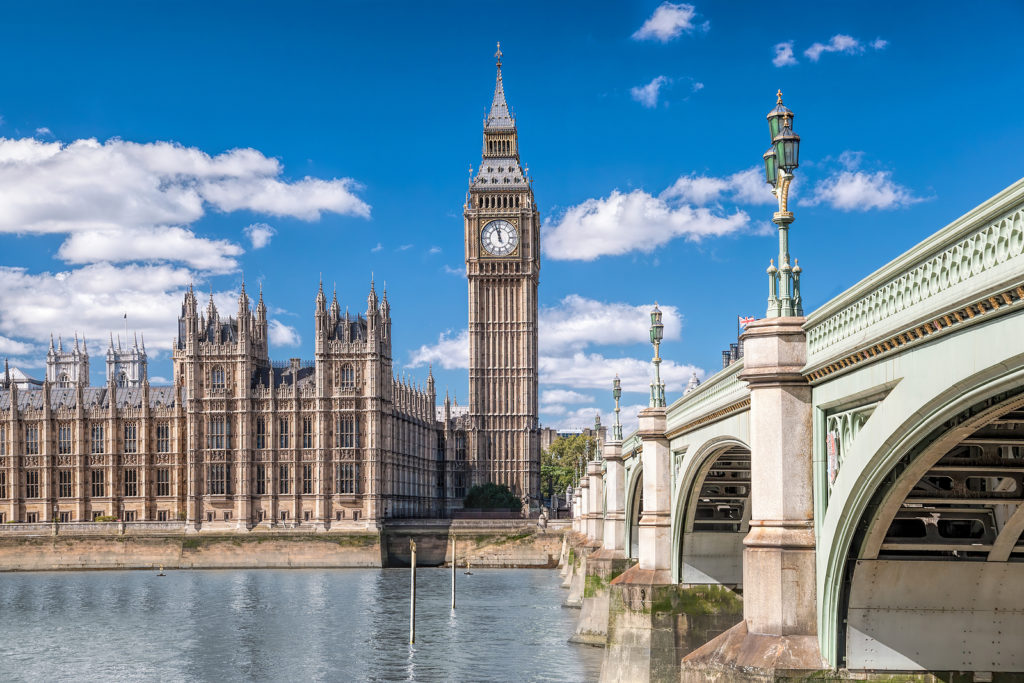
<point x="497" y="55"/>
<point x="779" y="96"/>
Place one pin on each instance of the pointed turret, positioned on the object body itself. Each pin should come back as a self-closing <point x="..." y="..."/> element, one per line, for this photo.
<point x="500" y="117"/>
<point x="371" y="300"/>
<point x="335" y="307"/>
<point x="211" y="309"/>
<point x="321" y="300"/>
<point x="692" y="384"/>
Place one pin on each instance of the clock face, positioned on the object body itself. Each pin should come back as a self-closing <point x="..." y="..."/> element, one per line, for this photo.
<point x="499" y="238"/>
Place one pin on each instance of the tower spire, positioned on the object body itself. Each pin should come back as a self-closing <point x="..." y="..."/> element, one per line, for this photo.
<point x="500" y="116"/>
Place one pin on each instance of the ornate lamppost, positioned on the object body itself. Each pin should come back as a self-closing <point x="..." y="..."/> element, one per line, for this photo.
<point x="617" y="393"/>
<point x="597" y="437"/>
<point x="657" y="333"/>
<point x="781" y="159"/>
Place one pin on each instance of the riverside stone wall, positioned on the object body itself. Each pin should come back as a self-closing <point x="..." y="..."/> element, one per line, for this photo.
<point x="113" y="546"/>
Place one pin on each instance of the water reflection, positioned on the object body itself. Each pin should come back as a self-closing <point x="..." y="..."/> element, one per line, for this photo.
<point x="228" y="625"/>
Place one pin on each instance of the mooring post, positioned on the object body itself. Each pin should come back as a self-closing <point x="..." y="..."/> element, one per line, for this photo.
<point x="412" y="596"/>
<point x="453" y="571"/>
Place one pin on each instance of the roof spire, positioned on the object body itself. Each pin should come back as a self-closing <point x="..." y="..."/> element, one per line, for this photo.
<point x="500" y="116"/>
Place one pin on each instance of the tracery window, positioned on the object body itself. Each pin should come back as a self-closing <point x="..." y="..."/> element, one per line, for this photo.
<point x="347" y="432"/>
<point x="32" y="440"/>
<point x="63" y="380"/>
<point x="261" y="433"/>
<point x="31" y="483"/>
<point x="217" y="434"/>
<point x="163" y="481"/>
<point x="97" y="439"/>
<point x="348" y="377"/>
<point x="346" y="478"/>
<point x="131" y="482"/>
<point x="261" y="480"/>
<point x="284" y="481"/>
<point x="217" y="378"/>
<point x="64" y="483"/>
<point x="218" y="479"/>
<point x="3" y="440"/>
<point x="131" y="437"/>
<point x="163" y="437"/>
<point x="98" y="485"/>
<point x="122" y="379"/>
<point x="307" y="479"/>
<point x="3" y="484"/>
<point x="63" y="439"/>
<point x="283" y="431"/>
<point x="307" y="432"/>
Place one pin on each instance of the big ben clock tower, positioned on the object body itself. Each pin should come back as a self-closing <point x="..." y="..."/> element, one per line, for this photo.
<point x="502" y="263"/>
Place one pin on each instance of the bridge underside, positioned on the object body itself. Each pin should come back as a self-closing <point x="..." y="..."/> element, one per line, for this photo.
<point x="936" y="584"/>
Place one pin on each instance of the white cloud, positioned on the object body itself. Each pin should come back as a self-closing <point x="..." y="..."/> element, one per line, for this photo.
<point x="150" y="244"/>
<point x="861" y="191"/>
<point x="12" y="347"/>
<point x="839" y="43"/>
<point x="879" y="44"/>
<point x="669" y="21"/>
<point x="698" y="86"/>
<point x="647" y="95"/>
<point x="554" y="409"/>
<point x="377" y="248"/>
<point x="92" y="300"/>
<point x="259" y="234"/>
<point x="44" y="131"/>
<point x="595" y="371"/>
<point x="633" y="221"/>
<point x="405" y="247"/>
<point x="459" y="272"/>
<point x="87" y="186"/>
<point x="434" y="250"/>
<point x="451" y="352"/>
<point x="281" y="334"/>
<point x="157" y="381"/>
<point x="551" y="396"/>
<point x="784" y="54"/>
<point x="577" y="322"/>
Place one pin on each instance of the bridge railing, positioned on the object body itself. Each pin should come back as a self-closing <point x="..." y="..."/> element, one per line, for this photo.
<point x="719" y="392"/>
<point x="971" y="267"/>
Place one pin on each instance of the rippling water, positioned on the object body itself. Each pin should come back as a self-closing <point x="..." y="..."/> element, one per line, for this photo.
<point x="270" y="625"/>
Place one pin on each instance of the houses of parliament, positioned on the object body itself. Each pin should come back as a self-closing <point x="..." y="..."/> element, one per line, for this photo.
<point x="240" y="441"/>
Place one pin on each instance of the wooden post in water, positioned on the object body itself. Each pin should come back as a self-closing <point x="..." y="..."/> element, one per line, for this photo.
<point x="453" y="571"/>
<point x="412" y="596"/>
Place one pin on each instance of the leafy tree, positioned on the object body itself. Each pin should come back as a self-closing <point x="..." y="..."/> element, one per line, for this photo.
<point x="560" y="463"/>
<point x="492" y="496"/>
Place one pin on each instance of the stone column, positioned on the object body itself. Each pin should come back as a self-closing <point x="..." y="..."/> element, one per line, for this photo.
<point x="584" y="501"/>
<point x="778" y="634"/>
<point x="595" y="505"/>
<point x="614" y="536"/>
<point x="655" y="533"/>
<point x="575" y="503"/>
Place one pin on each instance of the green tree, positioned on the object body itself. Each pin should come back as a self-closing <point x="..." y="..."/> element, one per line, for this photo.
<point x="560" y="463"/>
<point x="491" y="496"/>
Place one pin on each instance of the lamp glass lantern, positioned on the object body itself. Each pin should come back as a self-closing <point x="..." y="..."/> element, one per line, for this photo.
<point x="771" y="167"/>
<point x="657" y="328"/>
<point x="787" y="148"/>
<point x="617" y="389"/>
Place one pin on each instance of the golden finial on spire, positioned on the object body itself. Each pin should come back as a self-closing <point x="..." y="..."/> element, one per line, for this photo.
<point x="497" y="54"/>
<point x="779" y="95"/>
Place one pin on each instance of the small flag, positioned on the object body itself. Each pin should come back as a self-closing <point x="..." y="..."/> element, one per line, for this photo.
<point x="125" y="316"/>
<point x="744" y="321"/>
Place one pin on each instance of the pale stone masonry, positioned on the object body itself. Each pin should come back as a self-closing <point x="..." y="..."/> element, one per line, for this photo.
<point x="238" y="441"/>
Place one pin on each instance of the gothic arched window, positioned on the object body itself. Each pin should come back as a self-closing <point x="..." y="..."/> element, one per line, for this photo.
<point x="63" y="380"/>
<point x="122" y="379"/>
<point x="217" y="378"/>
<point x="348" y="377"/>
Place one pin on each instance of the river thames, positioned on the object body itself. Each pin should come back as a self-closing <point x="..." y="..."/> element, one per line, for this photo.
<point x="277" y="625"/>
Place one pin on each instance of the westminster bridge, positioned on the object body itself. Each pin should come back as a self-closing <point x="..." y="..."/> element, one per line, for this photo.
<point x="858" y="476"/>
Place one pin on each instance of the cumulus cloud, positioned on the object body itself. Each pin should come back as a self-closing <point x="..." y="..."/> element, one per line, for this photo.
<point x="458" y="272"/>
<point x="861" y="191"/>
<point x="784" y="54"/>
<point x="633" y="221"/>
<point x="281" y="334"/>
<point x="647" y="95"/>
<point x="840" y="43"/>
<point x="879" y="44"/>
<point x="583" y="370"/>
<point x="551" y="396"/>
<point x="434" y="250"/>
<point x="92" y="300"/>
<point x="259" y="234"/>
<point x="13" y="347"/>
<point x="669" y="21"/>
<point x="150" y="244"/>
<point x="577" y="322"/>
<point x="377" y="248"/>
<point x="450" y="352"/>
<point x="44" y="131"/>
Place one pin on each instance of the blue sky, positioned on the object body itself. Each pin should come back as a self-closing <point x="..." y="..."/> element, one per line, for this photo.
<point x="142" y="141"/>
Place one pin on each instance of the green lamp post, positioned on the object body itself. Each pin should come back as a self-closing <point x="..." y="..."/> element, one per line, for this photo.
<point x="657" y="333"/>
<point x="617" y="394"/>
<point x="781" y="159"/>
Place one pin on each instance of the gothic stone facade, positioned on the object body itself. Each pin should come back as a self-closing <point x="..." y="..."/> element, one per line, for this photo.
<point x="502" y="236"/>
<point x="238" y="440"/>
